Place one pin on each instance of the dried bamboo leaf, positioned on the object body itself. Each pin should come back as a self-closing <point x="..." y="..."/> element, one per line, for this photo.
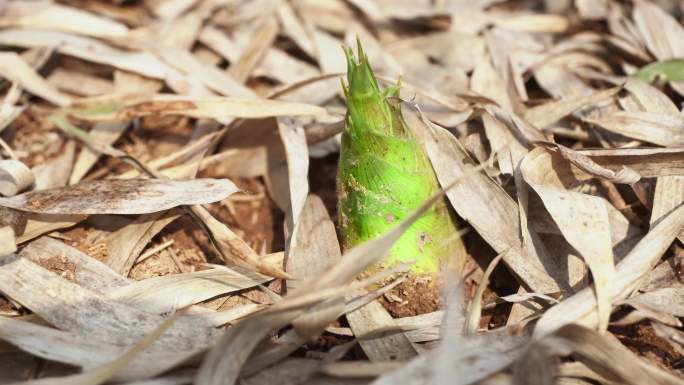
<point x="624" y="174"/>
<point x="106" y="372"/>
<point x="663" y="130"/>
<point x="533" y="23"/>
<point x="87" y="49"/>
<point x="374" y="318"/>
<point x="607" y="357"/>
<point x="296" y="153"/>
<point x="549" y="113"/>
<point x="261" y="41"/>
<point x="88" y="272"/>
<point x="218" y="41"/>
<point x="667" y="300"/>
<point x="52" y="16"/>
<point x="508" y="149"/>
<point x="103" y="132"/>
<point x="475" y="307"/>
<point x="40" y="224"/>
<point x="487" y="82"/>
<point x="359" y="369"/>
<point x="233" y="248"/>
<point x="580" y="307"/>
<point x="581" y="218"/>
<point x="156" y="294"/>
<point x="8" y="244"/>
<point x="466" y="360"/>
<point x="286" y="372"/>
<point x="330" y="56"/>
<point x="315" y="248"/>
<point x="649" y="98"/>
<point x="182" y="157"/>
<point x="72" y="308"/>
<point x="15" y="69"/>
<point x="65" y="347"/>
<point x="208" y="75"/>
<point x="648" y="162"/>
<point x="79" y="83"/>
<point x="130" y="196"/>
<point x="669" y="195"/>
<point x="294" y="27"/>
<point x="662" y="33"/>
<point x="55" y="173"/>
<point x="211" y="108"/>
<point x="15" y="177"/>
<point x="125" y="245"/>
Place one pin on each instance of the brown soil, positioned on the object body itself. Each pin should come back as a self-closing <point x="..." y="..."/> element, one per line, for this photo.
<point x="642" y="340"/>
<point x="60" y="265"/>
<point x="416" y="295"/>
<point x="5" y="305"/>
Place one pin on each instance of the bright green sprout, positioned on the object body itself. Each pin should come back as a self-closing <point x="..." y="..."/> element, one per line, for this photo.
<point x="384" y="175"/>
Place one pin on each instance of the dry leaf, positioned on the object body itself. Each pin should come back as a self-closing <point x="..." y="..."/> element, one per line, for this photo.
<point x="580" y="307"/>
<point x="50" y="16"/>
<point x="581" y="218"/>
<point x="15" y="69"/>
<point x="130" y="196"/>
<point x="214" y="108"/>
<point x="7" y="241"/>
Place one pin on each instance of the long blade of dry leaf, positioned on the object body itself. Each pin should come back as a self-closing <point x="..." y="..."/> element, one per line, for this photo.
<point x="130" y="196"/>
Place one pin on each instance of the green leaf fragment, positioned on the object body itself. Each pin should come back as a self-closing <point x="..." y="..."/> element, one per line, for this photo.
<point x="669" y="70"/>
<point x="384" y="175"/>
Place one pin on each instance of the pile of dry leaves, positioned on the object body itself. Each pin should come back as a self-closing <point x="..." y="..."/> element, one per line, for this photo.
<point x="168" y="193"/>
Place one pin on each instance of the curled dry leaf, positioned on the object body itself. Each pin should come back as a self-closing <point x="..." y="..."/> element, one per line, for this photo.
<point x="624" y="175"/>
<point x="15" y="177"/>
<point x="475" y="307"/>
<point x="647" y="162"/>
<point x="130" y="196"/>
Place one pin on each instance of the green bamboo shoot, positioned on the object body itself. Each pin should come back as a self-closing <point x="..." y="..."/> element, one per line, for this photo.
<point x="384" y="175"/>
